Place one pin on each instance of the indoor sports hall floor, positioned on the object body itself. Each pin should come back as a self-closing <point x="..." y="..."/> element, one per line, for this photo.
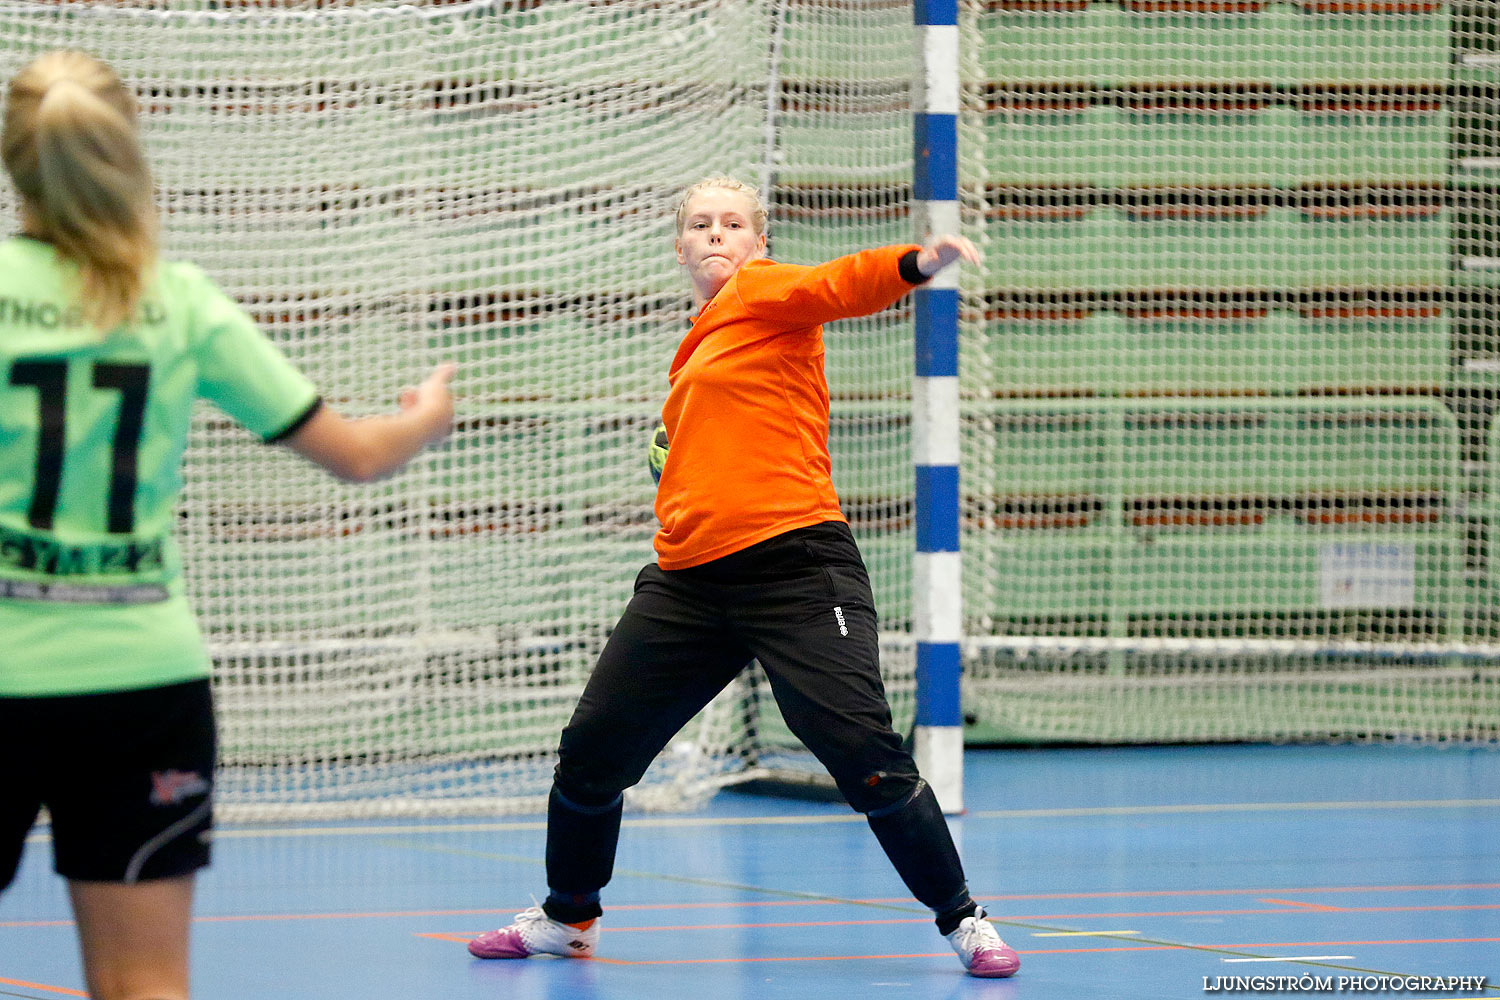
<point x="1147" y="873"/>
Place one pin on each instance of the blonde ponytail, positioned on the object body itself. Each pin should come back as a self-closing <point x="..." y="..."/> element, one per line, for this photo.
<point x="71" y="148"/>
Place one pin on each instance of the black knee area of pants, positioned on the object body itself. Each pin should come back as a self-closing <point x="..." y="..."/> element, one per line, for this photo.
<point x="581" y="841"/>
<point x="916" y="839"/>
<point x="876" y="792"/>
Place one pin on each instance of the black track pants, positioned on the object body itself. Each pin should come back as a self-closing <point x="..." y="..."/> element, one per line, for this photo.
<point x="800" y="603"/>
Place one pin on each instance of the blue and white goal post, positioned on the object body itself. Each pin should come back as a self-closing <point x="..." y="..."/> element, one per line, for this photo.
<point x="937" y="588"/>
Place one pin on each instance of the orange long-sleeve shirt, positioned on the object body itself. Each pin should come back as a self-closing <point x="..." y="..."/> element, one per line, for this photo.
<point x="747" y="414"/>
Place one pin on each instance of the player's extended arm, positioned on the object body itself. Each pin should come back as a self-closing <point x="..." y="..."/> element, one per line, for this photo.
<point x="365" y="449"/>
<point x="853" y="285"/>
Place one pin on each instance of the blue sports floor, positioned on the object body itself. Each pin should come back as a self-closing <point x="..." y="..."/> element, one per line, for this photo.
<point x="1154" y="873"/>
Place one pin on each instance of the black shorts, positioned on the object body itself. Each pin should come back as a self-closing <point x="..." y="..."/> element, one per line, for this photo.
<point x="127" y="777"/>
<point x="801" y="604"/>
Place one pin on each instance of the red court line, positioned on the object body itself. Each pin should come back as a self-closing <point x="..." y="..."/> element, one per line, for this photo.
<point x="655" y="928"/>
<point x="1321" y="944"/>
<point x="1065" y="916"/>
<point x="1289" y="908"/>
<point x="663" y="928"/>
<point x="1095" y="951"/>
<point x="1075" y="895"/>
<point x="769" y="924"/>
<point x="374" y="914"/>
<point x="504" y="910"/>
<point x="466" y="937"/>
<point x="258" y="917"/>
<point x="1017" y="897"/>
<point x="745" y="904"/>
<point x="785" y="958"/>
<point x="43" y="987"/>
<point x="232" y="918"/>
<point x="1235" y="892"/>
<point x="1022" y="951"/>
<point x="752" y="902"/>
<point x="1230" y="948"/>
<point x="1306" y="906"/>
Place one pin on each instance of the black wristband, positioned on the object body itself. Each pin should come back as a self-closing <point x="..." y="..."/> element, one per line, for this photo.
<point x="909" y="271"/>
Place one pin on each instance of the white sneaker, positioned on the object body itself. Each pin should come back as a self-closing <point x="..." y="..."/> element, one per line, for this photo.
<point x="535" y="933"/>
<point x="980" y="949"/>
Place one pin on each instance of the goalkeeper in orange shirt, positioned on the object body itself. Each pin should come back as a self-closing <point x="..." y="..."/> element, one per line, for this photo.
<point x="755" y="561"/>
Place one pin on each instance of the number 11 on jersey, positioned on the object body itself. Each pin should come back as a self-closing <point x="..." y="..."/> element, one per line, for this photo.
<point x="49" y="378"/>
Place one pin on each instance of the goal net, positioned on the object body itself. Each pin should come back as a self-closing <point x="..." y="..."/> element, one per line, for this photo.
<point x="1227" y="373"/>
<point x="385" y="187"/>
<point x="1231" y="376"/>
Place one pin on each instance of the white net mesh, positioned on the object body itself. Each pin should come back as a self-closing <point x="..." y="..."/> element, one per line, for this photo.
<point x="1229" y="379"/>
<point x="1228" y="373"/>
<point x="493" y="183"/>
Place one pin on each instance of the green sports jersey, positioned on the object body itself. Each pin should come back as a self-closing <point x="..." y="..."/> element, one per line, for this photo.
<point x="92" y="431"/>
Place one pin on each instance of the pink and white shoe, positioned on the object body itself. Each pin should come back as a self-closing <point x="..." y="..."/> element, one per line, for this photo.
<point x="535" y="933"/>
<point x="980" y="949"/>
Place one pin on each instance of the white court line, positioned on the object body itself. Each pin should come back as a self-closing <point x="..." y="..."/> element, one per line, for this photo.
<point x="1295" y="958"/>
<point x="666" y="822"/>
<point x="1223" y="807"/>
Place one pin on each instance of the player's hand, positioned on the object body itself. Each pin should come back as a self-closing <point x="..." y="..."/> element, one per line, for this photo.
<point x="434" y="400"/>
<point x="940" y="251"/>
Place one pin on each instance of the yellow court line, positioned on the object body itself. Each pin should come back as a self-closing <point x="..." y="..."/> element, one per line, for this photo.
<point x="1083" y="933"/>
<point x="1295" y="958"/>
